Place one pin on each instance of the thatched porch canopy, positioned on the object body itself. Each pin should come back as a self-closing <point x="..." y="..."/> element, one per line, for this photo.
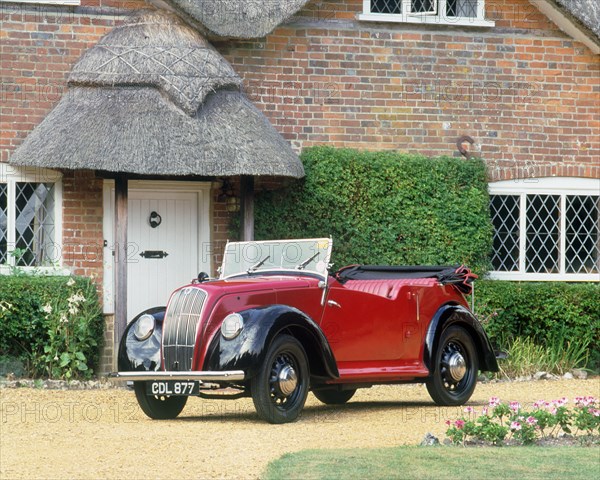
<point x="239" y="18"/>
<point x="154" y="98"/>
<point x="587" y="12"/>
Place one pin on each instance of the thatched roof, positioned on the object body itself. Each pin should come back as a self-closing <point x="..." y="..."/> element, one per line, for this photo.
<point x="586" y="12"/>
<point x="157" y="49"/>
<point x="137" y="130"/>
<point x="137" y="104"/>
<point x="239" y="18"/>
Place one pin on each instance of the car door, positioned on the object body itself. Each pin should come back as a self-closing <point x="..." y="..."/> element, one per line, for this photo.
<point x="373" y="323"/>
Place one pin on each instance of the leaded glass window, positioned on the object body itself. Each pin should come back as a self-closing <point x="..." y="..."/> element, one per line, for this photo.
<point x="505" y="212"/>
<point x="34" y="224"/>
<point x="549" y="230"/>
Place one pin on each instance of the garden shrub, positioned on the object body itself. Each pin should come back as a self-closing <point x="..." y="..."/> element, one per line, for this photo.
<point x="385" y="208"/>
<point x="53" y="324"/>
<point x="547" y="312"/>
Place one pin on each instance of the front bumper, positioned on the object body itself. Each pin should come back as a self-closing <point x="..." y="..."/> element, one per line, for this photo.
<point x="227" y="376"/>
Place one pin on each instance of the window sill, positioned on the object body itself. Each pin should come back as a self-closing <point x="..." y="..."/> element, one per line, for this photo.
<point x="545" y="277"/>
<point x="65" y="3"/>
<point x="424" y="19"/>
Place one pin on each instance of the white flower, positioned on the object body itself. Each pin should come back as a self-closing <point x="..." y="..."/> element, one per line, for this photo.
<point x="63" y="318"/>
<point x="47" y="308"/>
<point x="76" y="298"/>
<point x="73" y="310"/>
<point x="71" y="282"/>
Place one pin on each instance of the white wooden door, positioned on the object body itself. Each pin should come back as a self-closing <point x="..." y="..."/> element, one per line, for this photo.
<point x="164" y="254"/>
<point x="162" y="258"/>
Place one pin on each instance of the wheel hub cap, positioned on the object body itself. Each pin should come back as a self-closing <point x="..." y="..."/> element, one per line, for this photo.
<point x="287" y="380"/>
<point x="457" y="366"/>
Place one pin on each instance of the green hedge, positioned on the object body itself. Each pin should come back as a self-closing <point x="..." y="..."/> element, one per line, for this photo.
<point x="385" y="208"/>
<point x="541" y="311"/>
<point x="53" y="324"/>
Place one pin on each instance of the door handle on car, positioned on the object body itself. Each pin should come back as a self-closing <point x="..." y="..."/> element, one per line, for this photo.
<point x="333" y="303"/>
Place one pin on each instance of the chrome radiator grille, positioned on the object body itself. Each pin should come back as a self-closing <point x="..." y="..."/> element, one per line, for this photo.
<point x="180" y="327"/>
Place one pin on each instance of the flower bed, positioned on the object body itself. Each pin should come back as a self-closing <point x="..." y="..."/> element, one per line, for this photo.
<point x="501" y="423"/>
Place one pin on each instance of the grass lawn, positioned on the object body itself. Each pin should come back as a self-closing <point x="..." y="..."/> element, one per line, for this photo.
<point x="440" y="462"/>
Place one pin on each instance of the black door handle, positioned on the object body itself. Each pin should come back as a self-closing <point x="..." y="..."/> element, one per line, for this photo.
<point x="154" y="254"/>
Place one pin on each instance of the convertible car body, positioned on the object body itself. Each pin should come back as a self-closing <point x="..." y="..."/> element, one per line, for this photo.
<point x="277" y="324"/>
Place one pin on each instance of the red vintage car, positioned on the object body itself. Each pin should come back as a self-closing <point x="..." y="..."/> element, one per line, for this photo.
<point x="277" y="324"/>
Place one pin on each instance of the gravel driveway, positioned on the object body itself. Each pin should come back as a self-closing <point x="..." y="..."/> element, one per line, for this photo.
<point x="52" y="434"/>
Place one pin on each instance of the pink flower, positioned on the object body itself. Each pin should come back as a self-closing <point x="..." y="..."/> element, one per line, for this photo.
<point x="515" y="406"/>
<point x="447" y="422"/>
<point x="469" y="410"/>
<point x="494" y="402"/>
<point x="459" y="424"/>
<point x="552" y="410"/>
<point x="539" y="404"/>
<point x="515" y="426"/>
<point x="585" y="401"/>
<point x="484" y="410"/>
<point x="594" y="411"/>
<point x="531" y="421"/>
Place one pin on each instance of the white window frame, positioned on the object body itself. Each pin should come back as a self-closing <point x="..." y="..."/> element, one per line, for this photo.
<point x="74" y="3"/>
<point x="12" y="175"/>
<point x="560" y="186"/>
<point x="439" y="18"/>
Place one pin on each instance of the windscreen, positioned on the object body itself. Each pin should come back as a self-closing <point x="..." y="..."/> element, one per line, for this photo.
<point x="310" y="255"/>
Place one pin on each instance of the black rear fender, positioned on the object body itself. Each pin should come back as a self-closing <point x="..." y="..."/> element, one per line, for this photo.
<point x="460" y="316"/>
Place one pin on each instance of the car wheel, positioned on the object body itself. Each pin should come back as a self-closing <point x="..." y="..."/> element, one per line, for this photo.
<point x="158" y="407"/>
<point x="334" y="397"/>
<point x="280" y="388"/>
<point x="455" y="368"/>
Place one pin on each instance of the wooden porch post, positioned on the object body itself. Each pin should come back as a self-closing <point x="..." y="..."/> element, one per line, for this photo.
<point x="247" y="208"/>
<point x="121" y="190"/>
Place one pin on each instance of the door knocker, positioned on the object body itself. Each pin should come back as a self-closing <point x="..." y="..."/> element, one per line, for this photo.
<point x="155" y="220"/>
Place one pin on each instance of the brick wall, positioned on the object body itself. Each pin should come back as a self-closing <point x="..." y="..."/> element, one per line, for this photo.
<point x="82" y="223"/>
<point x="107" y="355"/>
<point x="527" y="93"/>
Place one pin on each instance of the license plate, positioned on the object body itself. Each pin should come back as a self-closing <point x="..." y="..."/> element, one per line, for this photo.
<point x="173" y="388"/>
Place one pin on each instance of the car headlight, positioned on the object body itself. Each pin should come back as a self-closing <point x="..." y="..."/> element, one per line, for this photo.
<point x="144" y="327"/>
<point x="232" y="326"/>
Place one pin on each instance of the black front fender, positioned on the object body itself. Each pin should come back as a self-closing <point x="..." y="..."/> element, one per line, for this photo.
<point x="145" y="355"/>
<point x="248" y="350"/>
<point x="460" y="316"/>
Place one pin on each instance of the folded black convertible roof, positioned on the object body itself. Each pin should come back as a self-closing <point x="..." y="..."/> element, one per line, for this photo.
<point x="381" y="272"/>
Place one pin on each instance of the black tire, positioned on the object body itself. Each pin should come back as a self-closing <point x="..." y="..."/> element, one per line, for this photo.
<point x="158" y="407"/>
<point x="272" y="400"/>
<point x="334" y="397"/>
<point x="444" y="388"/>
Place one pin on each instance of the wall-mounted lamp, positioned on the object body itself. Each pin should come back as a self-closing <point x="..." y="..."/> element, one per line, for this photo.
<point x="233" y="204"/>
<point x="227" y="195"/>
